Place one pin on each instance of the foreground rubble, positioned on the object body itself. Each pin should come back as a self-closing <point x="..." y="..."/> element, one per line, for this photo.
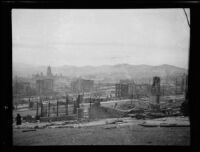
<point x="119" y="122"/>
<point x="167" y="122"/>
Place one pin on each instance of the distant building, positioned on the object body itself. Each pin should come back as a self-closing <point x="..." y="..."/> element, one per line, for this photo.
<point x="82" y="85"/>
<point x="21" y="88"/>
<point x="45" y="84"/>
<point x="121" y="90"/>
<point x="125" y="88"/>
<point x="49" y="74"/>
<point x="126" y="81"/>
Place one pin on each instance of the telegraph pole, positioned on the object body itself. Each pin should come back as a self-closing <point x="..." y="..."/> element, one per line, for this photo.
<point x="49" y="108"/>
<point x="163" y="90"/>
<point x="37" y="110"/>
<point x="176" y="86"/>
<point x="90" y="101"/>
<point x="41" y="107"/>
<point x="66" y="105"/>
<point x="57" y="107"/>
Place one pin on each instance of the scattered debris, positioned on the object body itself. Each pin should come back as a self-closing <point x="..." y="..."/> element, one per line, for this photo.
<point x="148" y="125"/>
<point x="140" y="116"/>
<point x="144" y="109"/>
<point x="28" y="130"/>
<point x="66" y="126"/>
<point x="36" y="127"/>
<point x="114" y="121"/>
<point x="168" y="122"/>
<point x="174" y="125"/>
<point x="110" y="127"/>
<point x="168" y="125"/>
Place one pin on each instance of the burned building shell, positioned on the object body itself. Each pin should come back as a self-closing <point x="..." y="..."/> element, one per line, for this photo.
<point x="124" y="89"/>
<point x="82" y="85"/>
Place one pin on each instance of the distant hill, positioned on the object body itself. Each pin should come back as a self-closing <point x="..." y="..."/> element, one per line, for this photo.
<point x="105" y="72"/>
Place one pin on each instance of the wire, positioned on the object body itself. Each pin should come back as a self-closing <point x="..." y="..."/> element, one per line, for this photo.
<point x="186" y="17"/>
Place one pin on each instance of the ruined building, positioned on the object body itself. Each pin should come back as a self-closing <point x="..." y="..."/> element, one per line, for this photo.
<point x="124" y="89"/>
<point x="21" y="88"/>
<point x="82" y="85"/>
<point x="156" y="90"/>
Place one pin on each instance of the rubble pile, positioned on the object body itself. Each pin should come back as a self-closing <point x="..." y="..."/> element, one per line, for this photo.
<point x="145" y="109"/>
<point x="43" y="125"/>
<point x="167" y="122"/>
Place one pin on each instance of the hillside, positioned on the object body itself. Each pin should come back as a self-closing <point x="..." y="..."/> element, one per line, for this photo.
<point x="105" y="72"/>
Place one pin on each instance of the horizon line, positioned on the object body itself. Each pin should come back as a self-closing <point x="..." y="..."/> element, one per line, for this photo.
<point x="98" y="65"/>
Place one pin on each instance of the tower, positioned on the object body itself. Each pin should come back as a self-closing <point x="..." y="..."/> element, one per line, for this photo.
<point x="49" y="71"/>
<point x="156" y="89"/>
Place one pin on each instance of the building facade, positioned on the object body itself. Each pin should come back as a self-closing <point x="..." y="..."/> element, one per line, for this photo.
<point x="45" y="84"/>
<point x="21" y="88"/>
<point x="82" y="85"/>
<point x="125" y="88"/>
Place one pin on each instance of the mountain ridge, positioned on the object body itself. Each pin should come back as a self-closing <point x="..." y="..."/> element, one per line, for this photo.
<point x="103" y="72"/>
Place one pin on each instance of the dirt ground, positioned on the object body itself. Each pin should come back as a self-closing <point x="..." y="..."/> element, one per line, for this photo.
<point x="99" y="135"/>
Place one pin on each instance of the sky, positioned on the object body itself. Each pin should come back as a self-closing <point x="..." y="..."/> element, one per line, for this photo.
<point x="97" y="37"/>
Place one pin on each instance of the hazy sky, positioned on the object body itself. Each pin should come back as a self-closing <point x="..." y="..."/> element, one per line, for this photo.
<point x="100" y="36"/>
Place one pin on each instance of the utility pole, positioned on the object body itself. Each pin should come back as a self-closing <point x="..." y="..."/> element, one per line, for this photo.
<point x="37" y="110"/>
<point x="66" y="104"/>
<point x="163" y="90"/>
<point x="78" y="101"/>
<point x="40" y="99"/>
<point x="132" y="99"/>
<point x="29" y="102"/>
<point x="57" y="108"/>
<point x="41" y="107"/>
<point x="49" y="108"/>
<point x="90" y="102"/>
<point x="74" y="108"/>
<point x="176" y="86"/>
